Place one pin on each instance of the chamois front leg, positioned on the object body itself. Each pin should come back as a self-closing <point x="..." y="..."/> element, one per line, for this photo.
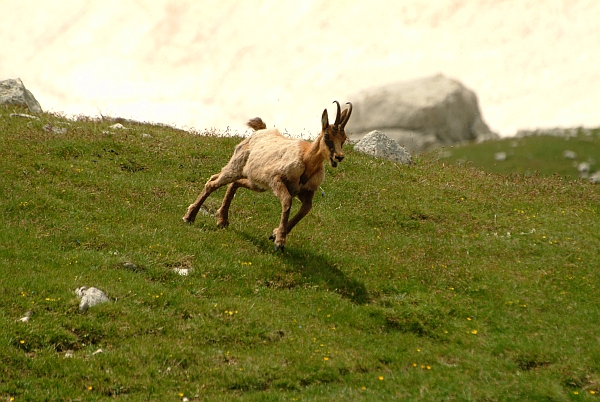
<point x="223" y="213"/>
<point x="279" y="234"/>
<point x="305" y="198"/>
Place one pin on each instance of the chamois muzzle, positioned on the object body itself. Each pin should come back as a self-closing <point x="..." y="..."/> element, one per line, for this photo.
<point x="335" y="159"/>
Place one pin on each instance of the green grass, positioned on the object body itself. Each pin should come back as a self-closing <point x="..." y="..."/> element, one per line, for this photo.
<point x="427" y="282"/>
<point x="533" y="155"/>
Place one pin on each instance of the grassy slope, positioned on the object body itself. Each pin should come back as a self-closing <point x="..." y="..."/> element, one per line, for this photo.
<point x="531" y="155"/>
<point x="425" y="282"/>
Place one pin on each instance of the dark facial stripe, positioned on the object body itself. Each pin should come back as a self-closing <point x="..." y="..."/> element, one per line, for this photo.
<point x="329" y="143"/>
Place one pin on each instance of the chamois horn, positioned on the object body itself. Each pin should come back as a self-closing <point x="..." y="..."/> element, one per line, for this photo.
<point x="337" y="114"/>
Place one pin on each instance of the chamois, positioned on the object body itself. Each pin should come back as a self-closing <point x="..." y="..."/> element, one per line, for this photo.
<point x="288" y="167"/>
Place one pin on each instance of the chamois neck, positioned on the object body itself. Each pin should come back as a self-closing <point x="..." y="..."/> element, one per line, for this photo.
<point x="315" y="152"/>
<point x="314" y="156"/>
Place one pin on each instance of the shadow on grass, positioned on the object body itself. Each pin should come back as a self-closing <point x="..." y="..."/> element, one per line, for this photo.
<point x="315" y="269"/>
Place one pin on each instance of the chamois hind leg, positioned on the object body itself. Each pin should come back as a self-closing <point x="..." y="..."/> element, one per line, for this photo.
<point x="216" y="181"/>
<point x="279" y="234"/>
<point x="223" y="219"/>
<point x="230" y="173"/>
<point x="305" y="198"/>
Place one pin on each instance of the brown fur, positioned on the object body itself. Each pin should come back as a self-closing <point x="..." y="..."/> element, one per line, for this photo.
<point x="288" y="167"/>
<point x="256" y="124"/>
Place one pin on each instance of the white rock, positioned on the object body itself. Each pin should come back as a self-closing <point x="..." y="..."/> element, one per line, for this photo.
<point x="569" y="154"/>
<point x="583" y="167"/>
<point x="90" y="297"/>
<point x="379" y="145"/>
<point x="118" y="126"/>
<point x="26" y="317"/>
<point x="500" y="156"/>
<point x="56" y="130"/>
<point x="182" y="271"/>
<point x="27" y="116"/>
<point x="595" y="177"/>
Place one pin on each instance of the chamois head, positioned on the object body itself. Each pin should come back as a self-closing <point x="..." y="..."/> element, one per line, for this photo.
<point x="334" y="134"/>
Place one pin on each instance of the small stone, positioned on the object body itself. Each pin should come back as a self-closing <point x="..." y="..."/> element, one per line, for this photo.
<point x="182" y="271"/>
<point x="28" y="116"/>
<point x="500" y="156"/>
<point x="26" y="317"/>
<point x="56" y="130"/>
<point x="583" y="167"/>
<point x="569" y="154"/>
<point x="118" y="126"/>
<point x="90" y="297"/>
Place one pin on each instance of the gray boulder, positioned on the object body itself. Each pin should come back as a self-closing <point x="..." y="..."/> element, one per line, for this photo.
<point x="13" y="92"/>
<point x="379" y="145"/>
<point x="421" y="114"/>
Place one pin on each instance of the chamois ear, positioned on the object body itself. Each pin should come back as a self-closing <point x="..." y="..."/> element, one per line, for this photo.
<point x="324" y="120"/>
<point x="343" y="116"/>
<point x="346" y="116"/>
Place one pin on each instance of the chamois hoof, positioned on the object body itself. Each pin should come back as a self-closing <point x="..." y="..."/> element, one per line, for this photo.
<point x="188" y="220"/>
<point x="278" y="247"/>
<point x="223" y="225"/>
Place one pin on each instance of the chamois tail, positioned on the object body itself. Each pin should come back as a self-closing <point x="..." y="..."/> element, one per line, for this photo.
<point x="256" y="124"/>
